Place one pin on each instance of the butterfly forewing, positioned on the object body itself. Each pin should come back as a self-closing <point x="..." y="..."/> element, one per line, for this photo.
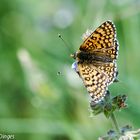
<point x="103" y="39"/>
<point x="113" y="51"/>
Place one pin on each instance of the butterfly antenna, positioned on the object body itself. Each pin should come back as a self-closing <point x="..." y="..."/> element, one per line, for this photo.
<point x="66" y="44"/>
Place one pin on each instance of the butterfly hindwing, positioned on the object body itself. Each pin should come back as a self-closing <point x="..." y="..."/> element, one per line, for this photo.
<point x="110" y="69"/>
<point x="94" y="80"/>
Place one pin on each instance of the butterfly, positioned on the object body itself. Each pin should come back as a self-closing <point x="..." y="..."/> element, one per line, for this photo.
<point x="95" y="61"/>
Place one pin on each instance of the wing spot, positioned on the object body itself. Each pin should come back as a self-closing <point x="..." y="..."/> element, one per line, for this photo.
<point x="100" y="80"/>
<point x="106" y="40"/>
<point x="107" y="37"/>
<point x="87" y="78"/>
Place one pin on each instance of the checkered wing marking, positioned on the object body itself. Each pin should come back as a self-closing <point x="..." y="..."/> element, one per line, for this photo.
<point x="110" y="69"/>
<point x="113" y="51"/>
<point x="94" y="80"/>
<point x="102" y="40"/>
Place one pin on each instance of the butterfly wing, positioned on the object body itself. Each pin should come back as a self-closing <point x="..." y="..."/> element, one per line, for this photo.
<point x="110" y="69"/>
<point x="102" y="40"/>
<point x="95" y="80"/>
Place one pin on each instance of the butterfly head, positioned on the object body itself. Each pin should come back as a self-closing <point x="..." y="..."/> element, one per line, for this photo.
<point x="74" y="55"/>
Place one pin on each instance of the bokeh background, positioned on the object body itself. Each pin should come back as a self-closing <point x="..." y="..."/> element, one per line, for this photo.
<point x="41" y="97"/>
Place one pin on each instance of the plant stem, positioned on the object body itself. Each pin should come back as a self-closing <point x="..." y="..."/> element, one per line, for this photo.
<point x="114" y="121"/>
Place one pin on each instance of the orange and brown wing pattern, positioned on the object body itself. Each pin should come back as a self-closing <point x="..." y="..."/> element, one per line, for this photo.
<point x="112" y="52"/>
<point x="110" y="69"/>
<point x="102" y="40"/>
<point x="94" y="80"/>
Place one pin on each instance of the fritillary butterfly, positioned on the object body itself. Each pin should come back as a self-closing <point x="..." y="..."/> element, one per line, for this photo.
<point x="96" y="60"/>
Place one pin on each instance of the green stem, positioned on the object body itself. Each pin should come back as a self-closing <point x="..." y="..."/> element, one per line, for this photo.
<point x="114" y="121"/>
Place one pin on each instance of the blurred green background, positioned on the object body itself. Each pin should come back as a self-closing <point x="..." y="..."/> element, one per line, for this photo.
<point x="41" y="97"/>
